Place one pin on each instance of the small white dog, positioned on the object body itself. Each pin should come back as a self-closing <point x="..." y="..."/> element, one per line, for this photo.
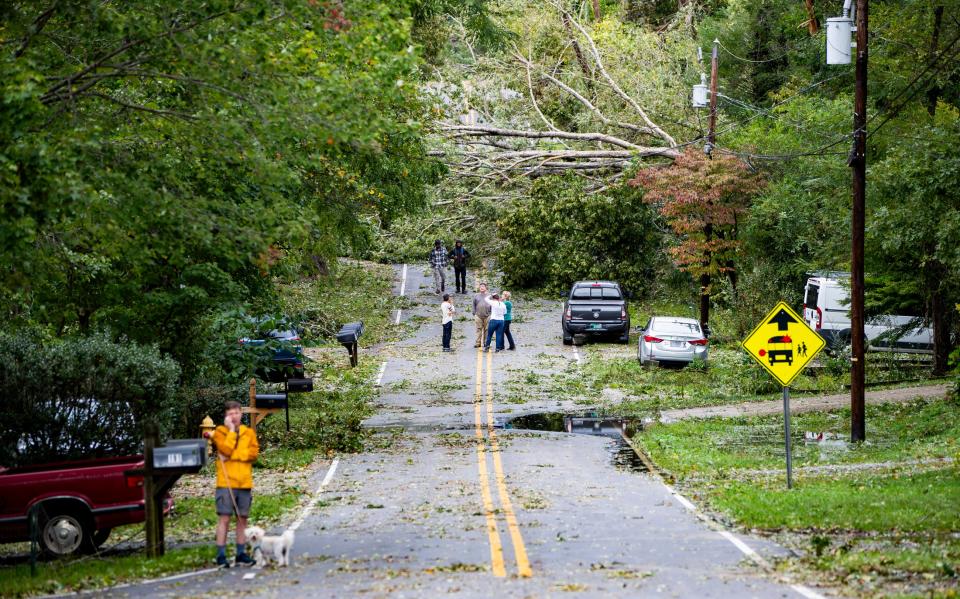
<point x="270" y="547"/>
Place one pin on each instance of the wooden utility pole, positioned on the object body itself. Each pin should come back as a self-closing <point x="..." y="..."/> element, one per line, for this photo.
<point x="711" y="142"/>
<point x="813" y="24"/>
<point x="858" y="162"/>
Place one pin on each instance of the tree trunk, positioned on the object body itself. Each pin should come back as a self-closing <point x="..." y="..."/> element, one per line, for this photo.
<point x="587" y="73"/>
<point x="705" y="282"/>
<point x="941" y="333"/>
<point x="596" y="9"/>
<point x="933" y="94"/>
<point x="813" y="24"/>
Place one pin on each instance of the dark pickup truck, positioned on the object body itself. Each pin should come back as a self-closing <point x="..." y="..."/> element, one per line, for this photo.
<point x="77" y="503"/>
<point x="596" y="309"/>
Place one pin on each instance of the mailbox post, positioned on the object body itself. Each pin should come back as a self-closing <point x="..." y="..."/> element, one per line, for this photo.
<point x="162" y="468"/>
<point x="349" y="337"/>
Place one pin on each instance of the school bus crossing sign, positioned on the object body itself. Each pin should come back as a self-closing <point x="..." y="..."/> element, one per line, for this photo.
<point x="783" y="343"/>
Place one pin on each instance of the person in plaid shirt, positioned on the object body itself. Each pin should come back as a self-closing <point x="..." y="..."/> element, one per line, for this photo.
<point x="438" y="261"/>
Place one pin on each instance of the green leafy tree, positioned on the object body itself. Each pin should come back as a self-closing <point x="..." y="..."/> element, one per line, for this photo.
<point x="704" y="200"/>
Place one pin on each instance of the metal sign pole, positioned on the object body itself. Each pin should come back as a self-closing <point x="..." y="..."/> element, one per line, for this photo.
<point x="786" y="431"/>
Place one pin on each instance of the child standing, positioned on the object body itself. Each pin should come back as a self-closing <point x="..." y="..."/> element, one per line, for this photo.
<point x="446" y="312"/>
<point x="507" y="319"/>
<point x="237" y="449"/>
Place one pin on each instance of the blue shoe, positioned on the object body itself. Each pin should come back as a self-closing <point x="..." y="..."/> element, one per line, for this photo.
<point x="244" y="559"/>
<point x="222" y="562"/>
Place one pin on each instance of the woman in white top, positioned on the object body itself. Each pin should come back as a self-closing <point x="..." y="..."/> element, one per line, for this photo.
<point x="446" y="312"/>
<point x="498" y="310"/>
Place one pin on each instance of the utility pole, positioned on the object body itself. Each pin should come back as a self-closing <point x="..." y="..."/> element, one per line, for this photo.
<point x="708" y="148"/>
<point x="858" y="162"/>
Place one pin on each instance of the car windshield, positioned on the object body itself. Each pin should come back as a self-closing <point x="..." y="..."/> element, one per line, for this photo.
<point x="676" y="327"/>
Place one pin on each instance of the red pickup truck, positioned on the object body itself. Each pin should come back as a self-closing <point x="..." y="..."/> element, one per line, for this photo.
<point x="78" y="502"/>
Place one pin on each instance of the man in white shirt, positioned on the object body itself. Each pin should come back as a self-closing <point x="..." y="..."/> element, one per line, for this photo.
<point x="446" y="313"/>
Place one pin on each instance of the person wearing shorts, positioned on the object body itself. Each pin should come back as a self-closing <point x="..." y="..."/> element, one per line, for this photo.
<point x="237" y="449"/>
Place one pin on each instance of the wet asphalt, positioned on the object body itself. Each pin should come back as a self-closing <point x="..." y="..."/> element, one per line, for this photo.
<point x="409" y="516"/>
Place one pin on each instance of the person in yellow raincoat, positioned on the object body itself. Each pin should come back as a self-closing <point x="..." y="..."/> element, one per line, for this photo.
<point x="237" y="449"/>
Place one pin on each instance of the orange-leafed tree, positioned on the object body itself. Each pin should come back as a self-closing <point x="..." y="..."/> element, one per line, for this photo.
<point x="703" y="200"/>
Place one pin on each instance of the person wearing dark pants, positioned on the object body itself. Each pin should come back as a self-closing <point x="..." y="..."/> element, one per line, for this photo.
<point x="507" y="319"/>
<point x="459" y="256"/>
<point x="495" y="326"/>
<point x="447" y="310"/>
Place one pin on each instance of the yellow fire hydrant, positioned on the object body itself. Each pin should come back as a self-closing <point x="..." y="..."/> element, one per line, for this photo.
<point x="206" y="431"/>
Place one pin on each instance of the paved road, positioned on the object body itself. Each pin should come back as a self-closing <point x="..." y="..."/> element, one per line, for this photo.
<point x="447" y="503"/>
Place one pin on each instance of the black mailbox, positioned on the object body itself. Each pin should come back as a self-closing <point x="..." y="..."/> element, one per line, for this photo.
<point x="350" y="332"/>
<point x="190" y="454"/>
<point x="348" y="336"/>
<point x="299" y="385"/>
<point x="271" y="400"/>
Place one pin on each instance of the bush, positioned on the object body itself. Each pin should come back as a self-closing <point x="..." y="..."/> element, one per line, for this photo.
<point x="563" y="234"/>
<point x="80" y="398"/>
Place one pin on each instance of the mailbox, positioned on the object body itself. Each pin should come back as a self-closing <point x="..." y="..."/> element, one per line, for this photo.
<point x="180" y="454"/>
<point x="350" y="332"/>
<point x="299" y="385"/>
<point x="271" y="400"/>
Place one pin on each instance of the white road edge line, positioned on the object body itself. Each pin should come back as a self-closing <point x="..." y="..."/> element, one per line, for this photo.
<point x="125" y="585"/>
<point x="739" y="544"/>
<point x="806" y="591"/>
<point x="403" y="280"/>
<point x="383" y="370"/>
<point x="316" y="494"/>
<point x="576" y="354"/>
<point x="397" y="319"/>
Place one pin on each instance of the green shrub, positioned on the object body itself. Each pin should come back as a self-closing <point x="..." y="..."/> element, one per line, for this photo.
<point x="82" y="397"/>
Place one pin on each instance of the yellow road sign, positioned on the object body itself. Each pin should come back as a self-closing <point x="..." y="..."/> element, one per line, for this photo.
<point x="783" y="343"/>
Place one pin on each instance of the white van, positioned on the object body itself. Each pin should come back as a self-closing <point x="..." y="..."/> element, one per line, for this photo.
<point x="826" y="309"/>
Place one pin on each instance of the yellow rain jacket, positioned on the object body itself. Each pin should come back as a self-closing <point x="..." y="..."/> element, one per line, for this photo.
<point x="239" y="451"/>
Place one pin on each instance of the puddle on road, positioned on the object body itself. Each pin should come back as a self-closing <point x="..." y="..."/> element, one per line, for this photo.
<point x="622" y="454"/>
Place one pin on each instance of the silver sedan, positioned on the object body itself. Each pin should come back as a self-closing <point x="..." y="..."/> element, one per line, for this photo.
<point x="672" y="339"/>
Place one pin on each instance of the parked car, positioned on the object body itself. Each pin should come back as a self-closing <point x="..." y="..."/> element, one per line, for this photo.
<point x="596" y="309"/>
<point x="826" y="309"/>
<point x="672" y="339"/>
<point x="78" y="503"/>
<point x="286" y="359"/>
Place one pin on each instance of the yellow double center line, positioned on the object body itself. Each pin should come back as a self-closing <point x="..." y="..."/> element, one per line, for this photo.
<point x="496" y="546"/>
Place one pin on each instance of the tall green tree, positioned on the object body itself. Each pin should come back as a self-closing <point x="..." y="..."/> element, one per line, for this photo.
<point x="160" y="160"/>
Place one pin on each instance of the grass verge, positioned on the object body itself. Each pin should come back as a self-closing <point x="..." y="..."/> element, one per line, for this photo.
<point x="878" y="519"/>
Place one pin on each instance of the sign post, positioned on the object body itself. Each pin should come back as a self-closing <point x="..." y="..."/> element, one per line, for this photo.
<point x="783" y="344"/>
<point x="786" y="435"/>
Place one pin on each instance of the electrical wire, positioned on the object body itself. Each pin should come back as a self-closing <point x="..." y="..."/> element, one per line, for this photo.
<point x="907" y="88"/>
<point x="774" y="59"/>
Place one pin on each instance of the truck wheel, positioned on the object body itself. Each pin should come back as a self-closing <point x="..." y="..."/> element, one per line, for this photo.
<point x="625" y="340"/>
<point x="65" y="533"/>
<point x="567" y="339"/>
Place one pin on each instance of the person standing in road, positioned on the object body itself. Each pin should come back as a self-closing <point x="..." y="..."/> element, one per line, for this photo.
<point x="447" y="311"/>
<point x="481" y="313"/>
<point x="507" y="319"/>
<point x="459" y="256"/>
<point x="237" y="449"/>
<point x="438" y="261"/>
<point x="497" y="311"/>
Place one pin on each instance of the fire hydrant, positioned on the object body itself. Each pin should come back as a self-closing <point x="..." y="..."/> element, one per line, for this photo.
<point x="206" y="431"/>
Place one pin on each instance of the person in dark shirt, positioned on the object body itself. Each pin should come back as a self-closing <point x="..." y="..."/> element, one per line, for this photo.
<point x="459" y="256"/>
